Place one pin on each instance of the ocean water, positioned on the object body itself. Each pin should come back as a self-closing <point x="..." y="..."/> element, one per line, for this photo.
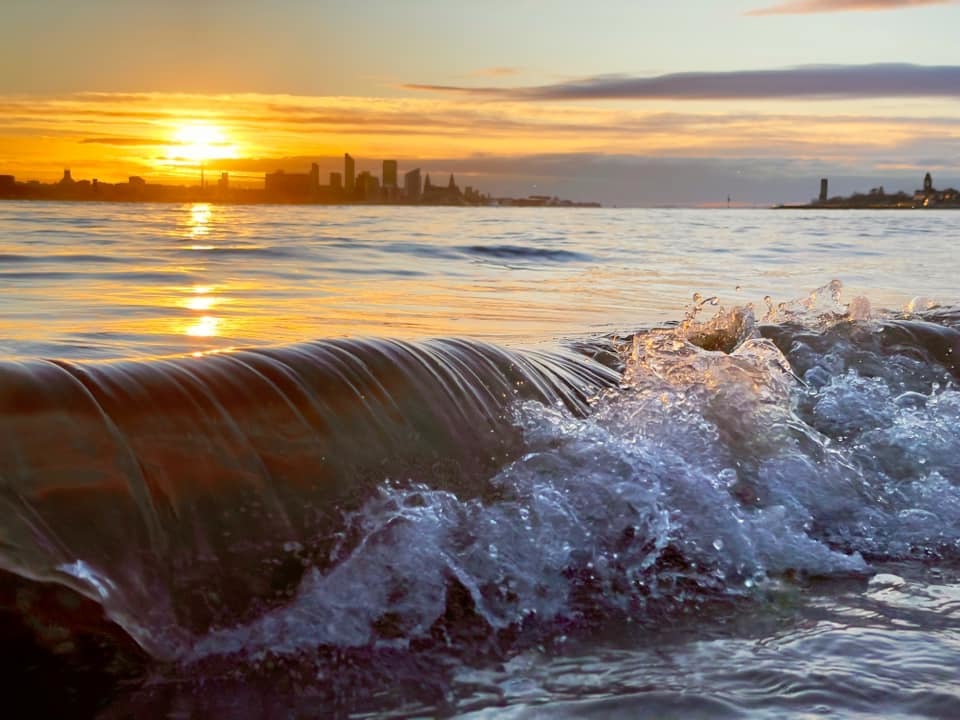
<point x="414" y="462"/>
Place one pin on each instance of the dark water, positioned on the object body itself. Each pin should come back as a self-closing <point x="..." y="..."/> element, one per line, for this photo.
<point x="748" y="509"/>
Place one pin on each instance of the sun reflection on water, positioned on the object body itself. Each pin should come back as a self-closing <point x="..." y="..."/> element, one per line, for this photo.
<point x="199" y="222"/>
<point x="205" y="326"/>
<point x="201" y="298"/>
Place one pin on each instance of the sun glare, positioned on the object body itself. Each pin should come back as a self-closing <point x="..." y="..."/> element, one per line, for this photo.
<point x="199" y="142"/>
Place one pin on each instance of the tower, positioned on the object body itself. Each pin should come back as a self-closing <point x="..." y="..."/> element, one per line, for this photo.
<point x="823" y="190"/>
<point x="349" y="173"/>
<point x="412" y="185"/>
<point x="390" y="173"/>
<point x="927" y="183"/>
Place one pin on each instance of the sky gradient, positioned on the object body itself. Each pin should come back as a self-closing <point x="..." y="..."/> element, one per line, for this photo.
<point x="624" y="102"/>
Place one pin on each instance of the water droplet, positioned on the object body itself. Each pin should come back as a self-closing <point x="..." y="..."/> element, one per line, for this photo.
<point x="718" y="544"/>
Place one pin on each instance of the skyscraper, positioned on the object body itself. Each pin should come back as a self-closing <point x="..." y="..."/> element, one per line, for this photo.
<point x="390" y="173"/>
<point x="349" y="173"/>
<point x="412" y="186"/>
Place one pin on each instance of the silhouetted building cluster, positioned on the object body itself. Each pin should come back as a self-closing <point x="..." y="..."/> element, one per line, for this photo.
<point x="282" y="183"/>
<point x="136" y="189"/>
<point x="927" y="197"/>
<point x="283" y="187"/>
<point x="366" y="187"/>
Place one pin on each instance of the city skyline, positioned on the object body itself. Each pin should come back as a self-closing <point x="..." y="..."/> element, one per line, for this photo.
<point x="343" y="186"/>
<point x="627" y="103"/>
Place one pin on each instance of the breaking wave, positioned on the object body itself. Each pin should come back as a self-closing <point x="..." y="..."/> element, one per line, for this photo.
<point x="335" y="506"/>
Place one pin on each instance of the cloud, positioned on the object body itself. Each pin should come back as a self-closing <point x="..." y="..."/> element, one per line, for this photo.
<point x="580" y="150"/>
<point x="804" y="7"/>
<point x="812" y="81"/>
<point x="498" y="71"/>
<point x="128" y="141"/>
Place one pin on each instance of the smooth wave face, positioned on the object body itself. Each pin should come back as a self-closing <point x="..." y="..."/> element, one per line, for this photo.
<point x="416" y="528"/>
<point x="171" y="492"/>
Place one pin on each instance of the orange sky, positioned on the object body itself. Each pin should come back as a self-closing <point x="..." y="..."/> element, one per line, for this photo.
<point x="610" y="102"/>
<point x="112" y="135"/>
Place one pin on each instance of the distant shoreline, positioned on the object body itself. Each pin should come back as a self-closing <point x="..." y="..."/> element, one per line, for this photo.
<point x="852" y="206"/>
<point x="927" y="198"/>
<point x="300" y="203"/>
<point x="146" y="193"/>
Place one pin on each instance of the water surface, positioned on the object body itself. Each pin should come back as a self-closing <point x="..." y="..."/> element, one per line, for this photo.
<point x="478" y="462"/>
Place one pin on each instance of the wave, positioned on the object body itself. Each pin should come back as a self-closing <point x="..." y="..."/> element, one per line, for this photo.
<point x="168" y="490"/>
<point x="523" y="252"/>
<point x="373" y="497"/>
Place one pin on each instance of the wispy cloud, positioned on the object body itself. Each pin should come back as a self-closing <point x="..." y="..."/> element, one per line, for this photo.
<point x="522" y="142"/>
<point x="128" y="141"/>
<point x="804" y="7"/>
<point x="814" y="81"/>
<point x="498" y="71"/>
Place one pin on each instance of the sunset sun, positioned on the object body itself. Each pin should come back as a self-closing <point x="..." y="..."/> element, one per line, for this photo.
<point x="198" y="142"/>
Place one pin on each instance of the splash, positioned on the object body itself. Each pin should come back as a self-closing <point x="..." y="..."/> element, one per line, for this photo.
<point x="372" y="498"/>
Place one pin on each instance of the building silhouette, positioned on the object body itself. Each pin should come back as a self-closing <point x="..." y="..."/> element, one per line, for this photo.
<point x="368" y="187"/>
<point x="391" y="189"/>
<point x="349" y="174"/>
<point x="279" y="186"/>
<point x="926" y="197"/>
<point x="390" y="173"/>
<point x="293" y="186"/>
<point x="929" y="196"/>
<point x="442" y="195"/>
<point x="412" y="186"/>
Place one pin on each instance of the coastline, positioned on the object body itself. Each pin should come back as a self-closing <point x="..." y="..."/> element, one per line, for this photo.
<point x="852" y="206"/>
<point x="147" y="193"/>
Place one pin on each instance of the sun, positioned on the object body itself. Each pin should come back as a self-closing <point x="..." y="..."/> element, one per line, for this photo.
<point x="199" y="142"/>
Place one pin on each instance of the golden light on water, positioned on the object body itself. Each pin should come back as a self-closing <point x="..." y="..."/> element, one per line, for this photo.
<point x="206" y="326"/>
<point x="201" y="303"/>
<point x="198" y="225"/>
<point x="199" y="222"/>
<point x="202" y="299"/>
